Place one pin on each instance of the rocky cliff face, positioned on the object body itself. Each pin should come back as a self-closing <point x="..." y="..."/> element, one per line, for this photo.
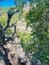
<point x="15" y="51"/>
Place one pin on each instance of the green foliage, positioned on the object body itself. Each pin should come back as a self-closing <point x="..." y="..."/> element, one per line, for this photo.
<point x="19" y="4"/>
<point x="38" y="19"/>
<point x="3" y="19"/>
<point x="25" y="39"/>
<point x="34" y="14"/>
<point x="8" y="32"/>
<point x="14" y="18"/>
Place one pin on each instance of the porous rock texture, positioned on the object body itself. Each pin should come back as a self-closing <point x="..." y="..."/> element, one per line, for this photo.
<point x="14" y="51"/>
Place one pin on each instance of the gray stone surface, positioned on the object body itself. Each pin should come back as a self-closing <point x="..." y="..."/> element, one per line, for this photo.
<point x="2" y="61"/>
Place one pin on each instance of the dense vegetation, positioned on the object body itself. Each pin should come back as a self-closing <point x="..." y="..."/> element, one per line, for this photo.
<point x="37" y="17"/>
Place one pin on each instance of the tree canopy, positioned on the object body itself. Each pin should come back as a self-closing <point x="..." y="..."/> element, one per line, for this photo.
<point x="39" y="21"/>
